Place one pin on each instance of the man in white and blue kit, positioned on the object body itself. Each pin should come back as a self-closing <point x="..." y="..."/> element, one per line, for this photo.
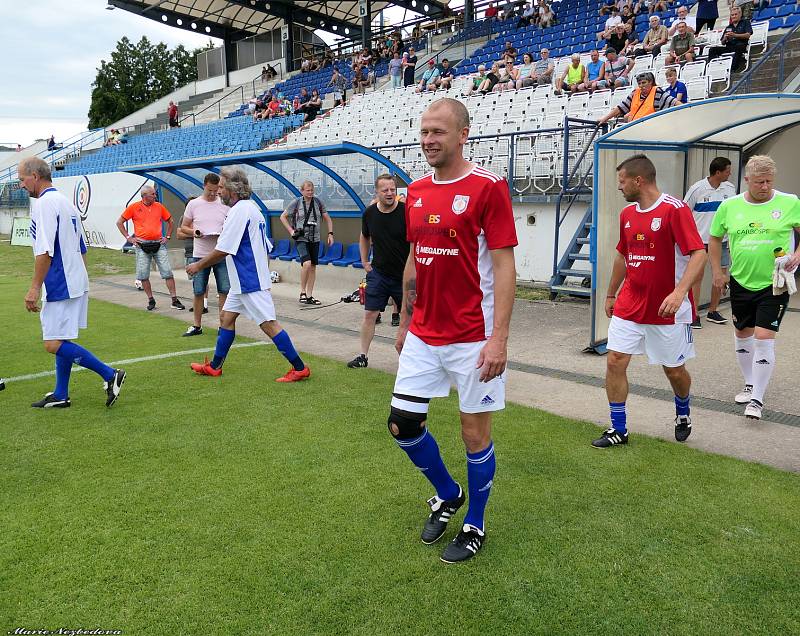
<point x="703" y="198"/>
<point x="59" y="250"/>
<point x="244" y="245"/>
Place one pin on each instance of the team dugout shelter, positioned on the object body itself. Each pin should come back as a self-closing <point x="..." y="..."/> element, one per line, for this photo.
<point x="681" y="142"/>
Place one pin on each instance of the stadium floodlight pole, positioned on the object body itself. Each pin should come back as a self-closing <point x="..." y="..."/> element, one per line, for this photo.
<point x="365" y="7"/>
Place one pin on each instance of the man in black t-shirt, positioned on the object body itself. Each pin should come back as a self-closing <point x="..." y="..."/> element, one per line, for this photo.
<point x="383" y="226"/>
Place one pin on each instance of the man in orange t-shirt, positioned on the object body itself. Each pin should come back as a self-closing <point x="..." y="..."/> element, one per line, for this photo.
<point x="149" y="242"/>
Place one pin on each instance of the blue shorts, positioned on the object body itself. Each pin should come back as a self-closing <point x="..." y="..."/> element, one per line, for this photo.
<point x="200" y="279"/>
<point x="380" y="288"/>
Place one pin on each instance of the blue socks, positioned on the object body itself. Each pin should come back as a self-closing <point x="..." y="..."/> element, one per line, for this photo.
<point x="284" y="344"/>
<point x="63" y="371"/>
<point x="619" y="420"/>
<point x="83" y="357"/>
<point x="682" y="405"/>
<point x="480" y="473"/>
<point x="424" y="453"/>
<point x="224" y="341"/>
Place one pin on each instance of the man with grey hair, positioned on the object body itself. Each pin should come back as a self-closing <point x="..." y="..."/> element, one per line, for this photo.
<point x="303" y="227"/>
<point x="543" y="69"/>
<point x="654" y="39"/>
<point x="244" y="245"/>
<point x="150" y="243"/>
<point x="59" y="249"/>
<point x="760" y="225"/>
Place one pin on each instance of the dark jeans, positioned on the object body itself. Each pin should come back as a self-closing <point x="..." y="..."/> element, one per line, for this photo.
<point x="708" y="22"/>
<point x="738" y="55"/>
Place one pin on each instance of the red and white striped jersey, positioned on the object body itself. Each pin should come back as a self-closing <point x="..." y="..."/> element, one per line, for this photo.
<point x="453" y="226"/>
<point x="656" y="244"/>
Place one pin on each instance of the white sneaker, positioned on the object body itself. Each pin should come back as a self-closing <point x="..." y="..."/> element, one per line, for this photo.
<point x="753" y="410"/>
<point x="745" y="395"/>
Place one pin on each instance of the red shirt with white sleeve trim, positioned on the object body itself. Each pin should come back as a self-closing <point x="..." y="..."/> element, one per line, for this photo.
<point x="656" y="244"/>
<point x="453" y="226"/>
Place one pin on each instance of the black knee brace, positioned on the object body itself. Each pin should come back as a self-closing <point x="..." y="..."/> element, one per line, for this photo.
<point x="409" y="424"/>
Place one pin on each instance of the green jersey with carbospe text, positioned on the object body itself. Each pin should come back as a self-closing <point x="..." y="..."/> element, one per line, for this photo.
<point x="756" y="232"/>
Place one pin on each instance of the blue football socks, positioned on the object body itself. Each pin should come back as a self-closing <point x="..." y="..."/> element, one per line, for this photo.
<point x="619" y="420"/>
<point x="85" y="358"/>
<point x="224" y="341"/>
<point x="480" y="475"/>
<point x="284" y="344"/>
<point x="423" y="451"/>
<point x="63" y="371"/>
<point x="682" y="405"/>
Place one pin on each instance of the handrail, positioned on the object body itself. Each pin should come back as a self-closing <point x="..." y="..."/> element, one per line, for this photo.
<point x="216" y="103"/>
<point x="779" y="45"/>
<point x="81" y="139"/>
<point x="279" y="76"/>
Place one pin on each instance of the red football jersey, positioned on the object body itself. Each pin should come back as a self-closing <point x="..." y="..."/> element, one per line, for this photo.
<point x="655" y="243"/>
<point x="453" y="225"/>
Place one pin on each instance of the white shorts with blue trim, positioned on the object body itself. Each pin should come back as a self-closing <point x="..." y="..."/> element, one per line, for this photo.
<point x="667" y="345"/>
<point x="63" y="319"/>
<point x="257" y="305"/>
<point x="427" y="371"/>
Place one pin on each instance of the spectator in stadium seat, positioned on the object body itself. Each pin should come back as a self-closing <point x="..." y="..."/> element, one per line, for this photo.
<point x="446" y="75"/>
<point x="595" y="71"/>
<point x="477" y="81"/>
<point x="527" y="16"/>
<point x="259" y="109"/>
<point x="627" y="16"/>
<point x="681" y="48"/>
<point x="509" y="54"/>
<point x="312" y="106"/>
<point x="525" y="72"/>
<point x="508" y="10"/>
<point x="707" y="14"/>
<point x="302" y="219"/>
<point x="492" y="77"/>
<point x="676" y="89"/>
<point x="396" y="70"/>
<point x="683" y="16"/>
<point x="202" y="221"/>
<point x="632" y="42"/>
<point x="746" y="7"/>
<point x="150" y="243"/>
<point x="545" y="16"/>
<point x="573" y="76"/>
<point x="615" y="70"/>
<point x="264" y="74"/>
<point x="606" y="6"/>
<point x="734" y="39"/>
<point x="305" y="65"/>
<point x="491" y="12"/>
<point x="654" y="39"/>
<point x="618" y="38"/>
<point x="172" y="115"/>
<point x="645" y="100"/>
<point x="543" y="68"/>
<point x="339" y="84"/>
<point x="271" y="72"/>
<point x="274" y="108"/>
<point x="429" y="77"/>
<point x="508" y="77"/>
<point x="409" y="66"/>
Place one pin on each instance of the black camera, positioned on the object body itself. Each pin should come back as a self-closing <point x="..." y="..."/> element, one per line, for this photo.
<point x="299" y="233"/>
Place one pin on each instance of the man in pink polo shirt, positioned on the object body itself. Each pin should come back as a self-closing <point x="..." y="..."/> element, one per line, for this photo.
<point x="202" y="221"/>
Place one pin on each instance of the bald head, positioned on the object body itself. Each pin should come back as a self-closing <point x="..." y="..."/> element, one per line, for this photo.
<point x="455" y="107"/>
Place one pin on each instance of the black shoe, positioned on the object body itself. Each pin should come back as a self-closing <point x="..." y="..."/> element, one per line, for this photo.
<point x="177" y="304"/>
<point x="114" y="386"/>
<point x="696" y="324"/>
<point x="151" y="304"/>
<point x="610" y="438"/>
<point x="193" y="331"/>
<point x="395" y="320"/>
<point x="205" y="310"/>
<point x="441" y="511"/>
<point x="2" y="384"/>
<point x="465" y="546"/>
<point x="683" y="427"/>
<point x="359" y="362"/>
<point x="379" y="319"/>
<point x="50" y="401"/>
<point x="716" y="317"/>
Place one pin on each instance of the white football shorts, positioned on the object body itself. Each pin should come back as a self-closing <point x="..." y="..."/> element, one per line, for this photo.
<point x="667" y="345"/>
<point x="257" y="305"/>
<point x="427" y="371"/>
<point x="63" y="319"/>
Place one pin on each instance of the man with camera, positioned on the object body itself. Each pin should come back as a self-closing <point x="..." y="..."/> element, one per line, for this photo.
<point x="302" y="219"/>
<point x="202" y="221"/>
<point x="150" y="242"/>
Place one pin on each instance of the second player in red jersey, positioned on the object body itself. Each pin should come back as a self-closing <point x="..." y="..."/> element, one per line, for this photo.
<point x="453" y="225"/>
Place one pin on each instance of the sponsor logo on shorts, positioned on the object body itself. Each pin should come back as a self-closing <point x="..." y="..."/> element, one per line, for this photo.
<point x="487" y="400"/>
<point x="681" y="358"/>
<point x="762" y="361"/>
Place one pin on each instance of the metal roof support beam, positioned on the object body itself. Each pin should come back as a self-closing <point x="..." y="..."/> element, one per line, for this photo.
<point x="165" y="184"/>
<point x="337" y="178"/>
<point x="306" y="17"/>
<point x="150" y="12"/>
<point x="366" y="22"/>
<point x="436" y="9"/>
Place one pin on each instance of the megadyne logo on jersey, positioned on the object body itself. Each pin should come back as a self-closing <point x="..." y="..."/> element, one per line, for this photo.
<point x="424" y="254"/>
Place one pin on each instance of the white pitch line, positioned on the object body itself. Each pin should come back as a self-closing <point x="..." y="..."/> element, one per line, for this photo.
<point x="121" y="363"/>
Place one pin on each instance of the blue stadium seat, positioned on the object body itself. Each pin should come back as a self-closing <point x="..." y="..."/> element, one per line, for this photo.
<point x="280" y="249"/>
<point x="334" y="252"/>
<point x="290" y="255"/>
<point x="350" y="256"/>
<point x="790" y="20"/>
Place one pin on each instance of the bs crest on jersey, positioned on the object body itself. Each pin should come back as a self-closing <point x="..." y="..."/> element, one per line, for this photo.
<point x="655" y="224"/>
<point x="460" y="203"/>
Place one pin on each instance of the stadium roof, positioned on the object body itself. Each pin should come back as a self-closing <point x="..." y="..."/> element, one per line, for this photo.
<point x="237" y="19"/>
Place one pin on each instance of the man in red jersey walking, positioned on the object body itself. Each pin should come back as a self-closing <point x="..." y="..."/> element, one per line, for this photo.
<point x="459" y="284"/>
<point x="659" y="256"/>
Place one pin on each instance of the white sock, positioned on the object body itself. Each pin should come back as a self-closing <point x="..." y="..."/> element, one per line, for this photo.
<point x="763" y="364"/>
<point x="205" y="303"/>
<point x="744" y="356"/>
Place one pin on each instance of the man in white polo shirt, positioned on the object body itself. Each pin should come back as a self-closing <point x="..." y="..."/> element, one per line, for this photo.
<point x="202" y="221"/>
